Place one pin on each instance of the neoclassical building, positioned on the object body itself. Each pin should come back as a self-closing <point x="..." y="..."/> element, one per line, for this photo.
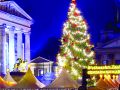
<point x="15" y="27"/>
<point x="108" y="53"/>
<point x="41" y="66"/>
<point x="108" y="49"/>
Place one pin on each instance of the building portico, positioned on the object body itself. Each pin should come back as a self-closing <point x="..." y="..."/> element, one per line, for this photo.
<point x="14" y="35"/>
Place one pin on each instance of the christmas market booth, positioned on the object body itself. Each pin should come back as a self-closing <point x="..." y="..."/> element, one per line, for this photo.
<point x="63" y="80"/>
<point x="29" y="81"/>
<point x="107" y="77"/>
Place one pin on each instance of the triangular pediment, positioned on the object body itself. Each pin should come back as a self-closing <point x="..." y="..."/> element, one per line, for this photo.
<point x="12" y="8"/>
<point x="114" y="43"/>
<point x="40" y="60"/>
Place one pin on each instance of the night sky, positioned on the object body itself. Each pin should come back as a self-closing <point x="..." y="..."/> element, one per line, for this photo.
<point x="49" y="16"/>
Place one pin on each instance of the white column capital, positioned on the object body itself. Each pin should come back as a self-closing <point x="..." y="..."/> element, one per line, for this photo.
<point x="27" y="33"/>
<point x="18" y="31"/>
<point x="3" y="26"/>
<point x="12" y="28"/>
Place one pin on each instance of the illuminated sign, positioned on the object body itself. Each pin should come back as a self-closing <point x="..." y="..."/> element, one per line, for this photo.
<point x="112" y="69"/>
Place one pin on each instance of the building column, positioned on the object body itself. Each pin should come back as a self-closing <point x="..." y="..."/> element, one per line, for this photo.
<point x="23" y="51"/>
<point x="27" y="46"/>
<point x="11" y="48"/>
<point x="2" y="50"/>
<point x="19" y="44"/>
<point x="7" y="55"/>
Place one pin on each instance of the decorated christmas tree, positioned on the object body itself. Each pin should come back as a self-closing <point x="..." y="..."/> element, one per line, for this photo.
<point x="75" y="51"/>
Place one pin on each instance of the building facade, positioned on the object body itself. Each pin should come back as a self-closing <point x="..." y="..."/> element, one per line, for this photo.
<point x="108" y="53"/>
<point x="15" y="27"/>
<point x="41" y="66"/>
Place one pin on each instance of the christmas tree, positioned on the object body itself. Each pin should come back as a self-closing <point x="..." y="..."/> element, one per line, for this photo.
<point x="75" y="51"/>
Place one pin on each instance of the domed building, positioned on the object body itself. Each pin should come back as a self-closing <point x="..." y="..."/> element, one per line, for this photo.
<point x="108" y="49"/>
